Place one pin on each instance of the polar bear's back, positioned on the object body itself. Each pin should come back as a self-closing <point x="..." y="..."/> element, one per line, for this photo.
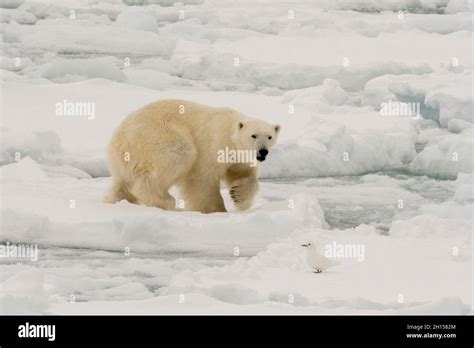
<point x="184" y="113"/>
<point x="171" y="125"/>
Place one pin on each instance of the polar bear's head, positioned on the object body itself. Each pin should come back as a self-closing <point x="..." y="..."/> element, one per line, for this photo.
<point x="255" y="135"/>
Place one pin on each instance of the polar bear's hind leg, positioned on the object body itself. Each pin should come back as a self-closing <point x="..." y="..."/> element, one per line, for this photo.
<point x="165" y="166"/>
<point x="119" y="191"/>
<point x="149" y="192"/>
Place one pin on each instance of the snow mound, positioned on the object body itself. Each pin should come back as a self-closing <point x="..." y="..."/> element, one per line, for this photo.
<point x="14" y="64"/>
<point x="137" y="19"/>
<point x="64" y="171"/>
<point x="20" y="144"/>
<point x="430" y="6"/>
<point x="351" y="49"/>
<point x="331" y="144"/>
<point x="81" y="36"/>
<point x="23" y="293"/>
<point x="457" y="126"/>
<point x="445" y="156"/>
<point x="11" y="3"/>
<point x="154" y="79"/>
<point x="259" y="279"/>
<point x="198" y="61"/>
<point x="464" y="188"/>
<point x="160" y="2"/>
<point x="388" y="5"/>
<point x="21" y="17"/>
<point x="70" y="214"/>
<point x="449" y="220"/>
<point x="73" y="69"/>
<point x="6" y="75"/>
<point x="25" y="169"/>
<point x="330" y="93"/>
<point x="455" y="6"/>
<point x="444" y="306"/>
<point x="443" y="96"/>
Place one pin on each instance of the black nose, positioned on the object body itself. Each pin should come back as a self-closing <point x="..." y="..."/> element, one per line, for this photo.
<point x="263" y="152"/>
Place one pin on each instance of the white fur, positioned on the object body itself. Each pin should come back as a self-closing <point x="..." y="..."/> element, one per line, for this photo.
<point x="175" y="142"/>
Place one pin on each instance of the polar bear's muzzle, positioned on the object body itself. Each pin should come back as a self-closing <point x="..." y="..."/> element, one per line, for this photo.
<point x="262" y="154"/>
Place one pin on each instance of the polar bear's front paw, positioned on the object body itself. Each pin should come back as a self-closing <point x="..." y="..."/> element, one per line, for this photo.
<point x="237" y="194"/>
<point x="242" y="193"/>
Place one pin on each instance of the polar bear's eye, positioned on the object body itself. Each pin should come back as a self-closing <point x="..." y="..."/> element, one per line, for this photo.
<point x="269" y="137"/>
<point x="254" y="136"/>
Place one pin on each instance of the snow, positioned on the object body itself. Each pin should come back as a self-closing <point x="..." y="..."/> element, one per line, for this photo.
<point x="457" y="126"/>
<point x="50" y="219"/>
<point x="11" y="4"/>
<point x="22" y="17"/>
<point x="18" y="143"/>
<point x="137" y="20"/>
<point x="464" y="188"/>
<point x="154" y="79"/>
<point x="26" y="169"/>
<point x="443" y="96"/>
<point x="81" y="36"/>
<point x="445" y="156"/>
<point x="341" y="147"/>
<point x="64" y="71"/>
<point x="455" y="6"/>
<point x="14" y="64"/>
<point x="343" y="172"/>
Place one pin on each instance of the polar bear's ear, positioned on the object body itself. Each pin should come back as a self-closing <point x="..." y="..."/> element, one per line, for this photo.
<point x="241" y="125"/>
<point x="277" y="127"/>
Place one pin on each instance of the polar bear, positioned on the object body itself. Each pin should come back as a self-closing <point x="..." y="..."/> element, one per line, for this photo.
<point x="185" y="144"/>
